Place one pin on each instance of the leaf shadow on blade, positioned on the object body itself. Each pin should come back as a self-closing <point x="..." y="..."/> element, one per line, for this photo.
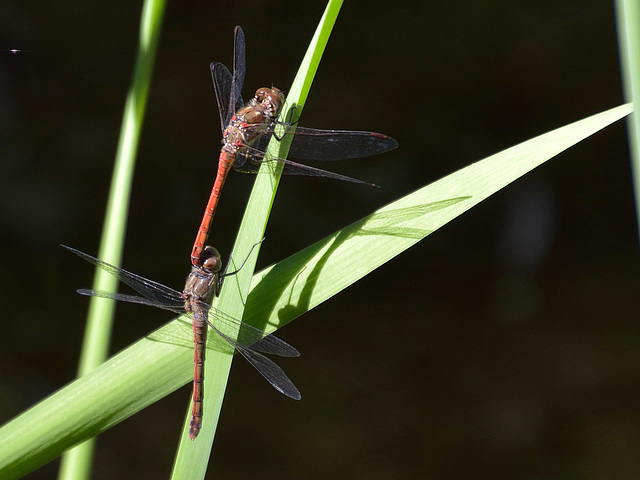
<point x="282" y="279"/>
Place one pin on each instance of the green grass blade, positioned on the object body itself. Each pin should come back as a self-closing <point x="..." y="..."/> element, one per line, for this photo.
<point x="292" y="287"/>
<point x="76" y="463"/>
<point x="163" y="361"/>
<point x="628" y="20"/>
<point x="193" y="456"/>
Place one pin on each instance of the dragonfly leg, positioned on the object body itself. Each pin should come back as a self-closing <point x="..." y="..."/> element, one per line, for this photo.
<point x="288" y="124"/>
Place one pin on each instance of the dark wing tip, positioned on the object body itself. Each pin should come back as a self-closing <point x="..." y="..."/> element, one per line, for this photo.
<point x="213" y="66"/>
<point x="388" y="143"/>
<point x="291" y="391"/>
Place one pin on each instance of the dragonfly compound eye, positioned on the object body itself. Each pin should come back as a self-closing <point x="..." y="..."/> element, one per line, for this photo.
<point x="271" y="99"/>
<point x="211" y="260"/>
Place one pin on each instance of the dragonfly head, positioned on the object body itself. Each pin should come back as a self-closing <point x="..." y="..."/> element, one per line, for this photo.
<point x="269" y="101"/>
<point x="211" y="260"/>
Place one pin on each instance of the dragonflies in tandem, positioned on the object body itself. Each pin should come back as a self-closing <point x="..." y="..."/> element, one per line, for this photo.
<point x="203" y="283"/>
<point x="247" y="129"/>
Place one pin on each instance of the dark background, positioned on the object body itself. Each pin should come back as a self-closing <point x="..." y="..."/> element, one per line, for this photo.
<point x="503" y="346"/>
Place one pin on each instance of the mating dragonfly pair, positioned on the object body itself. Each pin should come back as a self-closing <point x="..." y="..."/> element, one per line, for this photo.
<point x="246" y="128"/>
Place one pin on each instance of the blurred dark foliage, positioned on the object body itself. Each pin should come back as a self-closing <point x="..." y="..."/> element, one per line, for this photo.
<point x="502" y="346"/>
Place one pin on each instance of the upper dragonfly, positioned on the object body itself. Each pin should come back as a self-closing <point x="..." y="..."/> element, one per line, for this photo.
<point x="247" y="129"/>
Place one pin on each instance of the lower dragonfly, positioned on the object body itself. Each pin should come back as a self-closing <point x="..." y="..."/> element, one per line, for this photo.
<point x="203" y="283"/>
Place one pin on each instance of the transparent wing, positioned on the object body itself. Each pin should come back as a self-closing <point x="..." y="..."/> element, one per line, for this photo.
<point x="228" y="87"/>
<point x="248" y="336"/>
<point x="154" y="291"/>
<point x="249" y="159"/>
<point x="267" y="368"/>
<point x="316" y="144"/>
<point x="130" y="299"/>
<point x="239" y="69"/>
<point x="222" y="81"/>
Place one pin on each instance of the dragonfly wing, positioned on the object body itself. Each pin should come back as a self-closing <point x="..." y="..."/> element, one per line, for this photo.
<point x="250" y="159"/>
<point x="266" y="367"/>
<point x="272" y="372"/>
<point x="314" y="144"/>
<point x="293" y="168"/>
<point x="250" y="336"/>
<point x="239" y="69"/>
<point x="222" y="84"/>
<point x="256" y="339"/>
<point x="130" y="298"/>
<point x="148" y="288"/>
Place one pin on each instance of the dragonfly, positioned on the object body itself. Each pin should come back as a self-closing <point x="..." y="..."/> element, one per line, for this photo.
<point x="203" y="283"/>
<point x="248" y="128"/>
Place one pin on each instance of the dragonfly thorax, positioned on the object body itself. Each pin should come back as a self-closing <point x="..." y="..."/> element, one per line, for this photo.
<point x="202" y="283"/>
<point x="200" y="287"/>
<point x="251" y="120"/>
